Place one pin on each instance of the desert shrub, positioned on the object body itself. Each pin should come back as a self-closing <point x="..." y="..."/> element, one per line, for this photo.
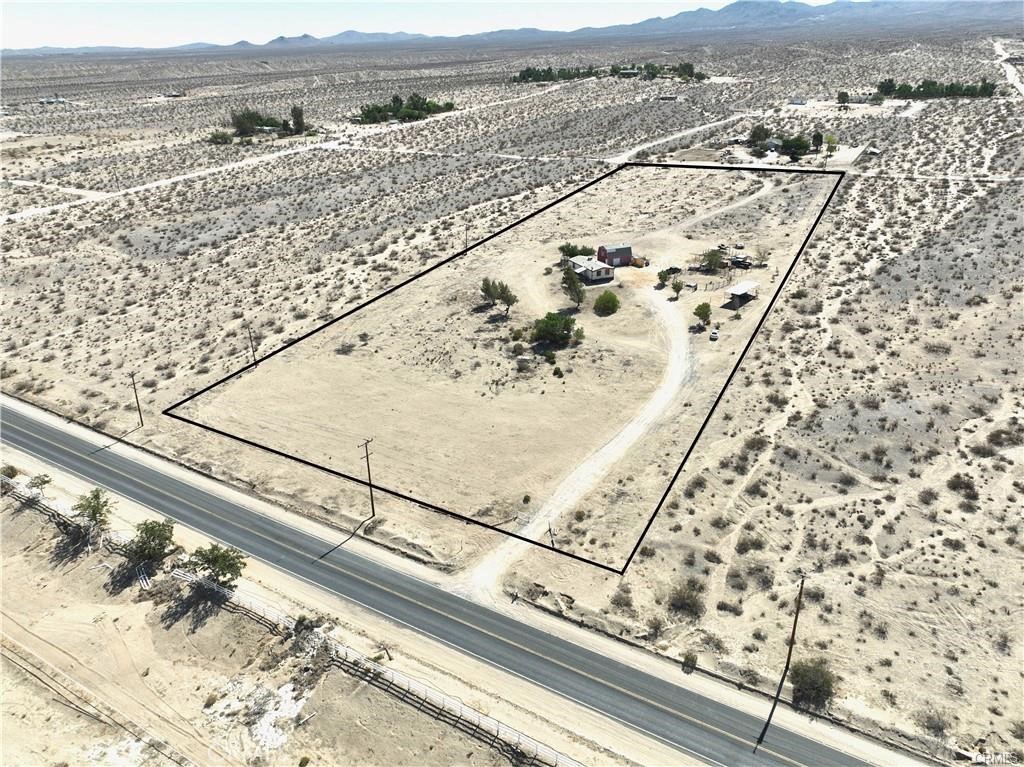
<point x="813" y="683"/>
<point x="933" y="721"/>
<point x="655" y="625"/>
<point x="964" y="485"/>
<point x="220" y="137"/>
<point x="749" y="542"/>
<point x="607" y="303"/>
<point x="689" y="661"/>
<point x="927" y="496"/>
<point x="688" y="599"/>
<point x="729" y="607"/>
<point x="9" y="471"/>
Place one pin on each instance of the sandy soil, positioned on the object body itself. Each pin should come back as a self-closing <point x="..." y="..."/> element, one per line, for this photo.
<point x="887" y="375"/>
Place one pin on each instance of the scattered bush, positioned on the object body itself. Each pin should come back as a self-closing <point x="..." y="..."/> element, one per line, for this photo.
<point x="607" y="303"/>
<point x="813" y="683"/>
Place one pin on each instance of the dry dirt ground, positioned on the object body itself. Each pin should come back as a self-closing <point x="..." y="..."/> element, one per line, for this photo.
<point x="430" y="371"/>
<point x="180" y="679"/>
<point x="872" y="438"/>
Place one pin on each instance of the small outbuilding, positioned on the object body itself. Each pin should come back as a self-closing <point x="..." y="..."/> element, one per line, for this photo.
<point x="773" y="144"/>
<point x="741" y="292"/>
<point x="615" y="255"/>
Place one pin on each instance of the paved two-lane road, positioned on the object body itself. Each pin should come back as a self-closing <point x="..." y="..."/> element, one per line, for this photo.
<point x="696" y="725"/>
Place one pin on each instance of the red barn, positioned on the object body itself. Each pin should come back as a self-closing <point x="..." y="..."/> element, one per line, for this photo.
<point x="615" y="255"/>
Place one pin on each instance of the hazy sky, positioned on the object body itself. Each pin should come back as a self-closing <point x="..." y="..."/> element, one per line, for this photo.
<point x="34" y="23"/>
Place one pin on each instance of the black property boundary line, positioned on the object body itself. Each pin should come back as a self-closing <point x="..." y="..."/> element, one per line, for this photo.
<point x="168" y="411"/>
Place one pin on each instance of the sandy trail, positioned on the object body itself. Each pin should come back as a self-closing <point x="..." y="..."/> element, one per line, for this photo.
<point x="481" y="582"/>
<point x="92" y="196"/>
<point x="630" y="153"/>
<point x="86" y="193"/>
<point x="1012" y="75"/>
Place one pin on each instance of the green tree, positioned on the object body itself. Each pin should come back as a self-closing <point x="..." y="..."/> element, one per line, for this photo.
<point x="816" y="140"/>
<point x="572" y="286"/>
<point x="663" y="276"/>
<point x="703" y="312"/>
<point x="887" y="87"/>
<point x="507" y="297"/>
<point x="489" y="289"/>
<point x="298" y="120"/>
<point x="152" y="541"/>
<point x="813" y="683"/>
<point x="555" y="329"/>
<point x="222" y="564"/>
<point x="843" y="98"/>
<point x="39" y="481"/>
<point x="95" y="506"/>
<point x="713" y="259"/>
<point x="677" y="287"/>
<point x="759" y="134"/>
<point x="831" y="142"/>
<point x="606" y="303"/>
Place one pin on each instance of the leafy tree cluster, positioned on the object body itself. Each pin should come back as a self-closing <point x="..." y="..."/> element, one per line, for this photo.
<point x="152" y="541"/>
<point x="551" y="75"/>
<point x="932" y="89"/>
<point x="495" y="291"/>
<point x="568" y="250"/>
<point x="222" y="564"/>
<point x="247" y="121"/>
<point x="416" y="107"/>
<point x="793" y="146"/>
<point x="649" y="70"/>
<point x="554" y="329"/>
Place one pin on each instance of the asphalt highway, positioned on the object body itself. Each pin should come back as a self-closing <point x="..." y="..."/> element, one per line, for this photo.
<point x="709" y="730"/>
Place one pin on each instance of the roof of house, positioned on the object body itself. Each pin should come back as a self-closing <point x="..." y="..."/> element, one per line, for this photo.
<point x="587" y="263"/>
<point x="742" y="288"/>
<point x="617" y="248"/>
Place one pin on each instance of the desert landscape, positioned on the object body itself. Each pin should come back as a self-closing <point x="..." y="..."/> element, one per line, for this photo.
<point x="869" y="443"/>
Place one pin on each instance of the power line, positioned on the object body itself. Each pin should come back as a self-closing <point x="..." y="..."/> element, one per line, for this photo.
<point x="785" y="670"/>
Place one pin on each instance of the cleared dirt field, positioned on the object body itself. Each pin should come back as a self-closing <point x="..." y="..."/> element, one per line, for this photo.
<point x="467" y="415"/>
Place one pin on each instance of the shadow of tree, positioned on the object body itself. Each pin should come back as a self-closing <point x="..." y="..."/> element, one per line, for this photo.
<point x="121" y="577"/>
<point x="198" y="605"/>
<point x="69" y="547"/>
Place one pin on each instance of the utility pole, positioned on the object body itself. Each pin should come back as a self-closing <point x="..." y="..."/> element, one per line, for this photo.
<point x="252" y="346"/>
<point x="465" y="245"/>
<point x="373" y="512"/>
<point x="369" y="479"/>
<point x="137" y="405"/>
<point x="789" y="655"/>
<point x="551" y="535"/>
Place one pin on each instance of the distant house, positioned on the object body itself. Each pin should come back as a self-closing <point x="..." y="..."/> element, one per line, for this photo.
<point x="667" y="97"/>
<point x="629" y="73"/>
<point x="797" y="101"/>
<point x="615" y="255"/>
<point x="773" y="144"/>
<point x="590" y="269"/>
<point x="737" y="140"/>
<point x="859" y="99"/>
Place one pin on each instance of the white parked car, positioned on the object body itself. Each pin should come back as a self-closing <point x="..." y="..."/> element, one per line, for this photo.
<point x="714" y="334"/>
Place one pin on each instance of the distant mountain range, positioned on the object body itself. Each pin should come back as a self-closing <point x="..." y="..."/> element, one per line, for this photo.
<point x="760" y="19"/>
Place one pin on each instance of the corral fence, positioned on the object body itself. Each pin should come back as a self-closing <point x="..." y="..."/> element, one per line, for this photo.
<point x="519" y="747"/>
